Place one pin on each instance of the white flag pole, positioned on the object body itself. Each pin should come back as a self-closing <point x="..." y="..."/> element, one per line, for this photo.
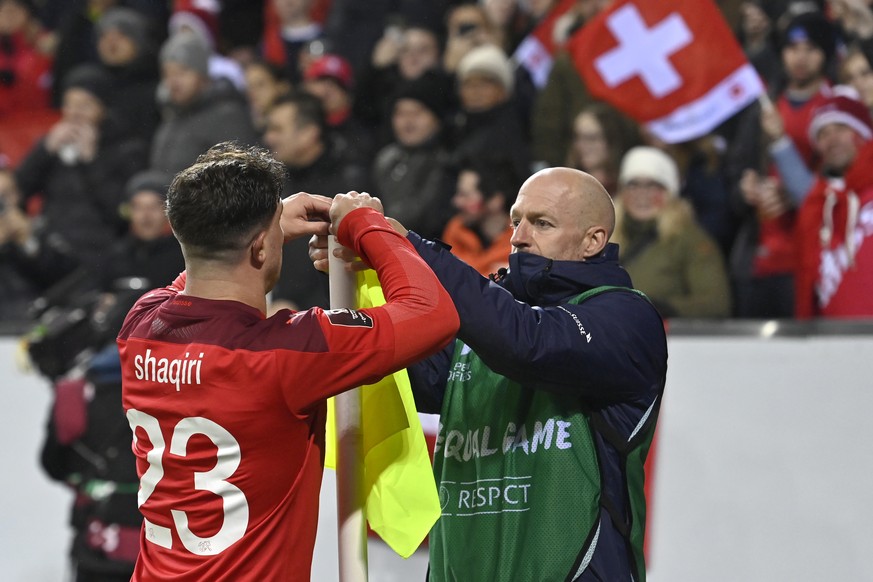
<point x="351" y="523"/>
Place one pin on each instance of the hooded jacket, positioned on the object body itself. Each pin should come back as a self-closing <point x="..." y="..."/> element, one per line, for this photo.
<point x="609" y="352"/>
<point x="834" y="235"/>
<point x="414" y="185"/>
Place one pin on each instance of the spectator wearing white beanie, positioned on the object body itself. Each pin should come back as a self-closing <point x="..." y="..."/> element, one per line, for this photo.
<point x="643" y="162"/>
<point x="490" y="62"/>
<point x="667" y="253"/>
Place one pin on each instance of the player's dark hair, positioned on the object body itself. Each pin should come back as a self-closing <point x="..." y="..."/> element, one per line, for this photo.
<point x="218" y="205"/>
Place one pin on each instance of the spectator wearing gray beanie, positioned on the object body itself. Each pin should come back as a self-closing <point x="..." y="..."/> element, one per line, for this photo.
<point x="198" y="111"/>
<point x="187" y="50"/>
<point x="129" y="23"/>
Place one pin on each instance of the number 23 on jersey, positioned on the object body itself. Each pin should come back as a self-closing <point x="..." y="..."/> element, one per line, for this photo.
<point x="235" y="506"/>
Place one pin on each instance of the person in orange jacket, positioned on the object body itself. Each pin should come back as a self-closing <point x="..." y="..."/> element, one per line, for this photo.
<point x="480" y="231"/>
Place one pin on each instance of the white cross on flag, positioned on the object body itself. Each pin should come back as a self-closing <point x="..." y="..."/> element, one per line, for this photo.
<point x="673" y="65"/>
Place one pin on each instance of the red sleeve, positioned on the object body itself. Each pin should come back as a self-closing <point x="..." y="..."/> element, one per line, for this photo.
<point x="417" y="320"/>
<point x="421" y="310"/>
<point x="806" y="236"/>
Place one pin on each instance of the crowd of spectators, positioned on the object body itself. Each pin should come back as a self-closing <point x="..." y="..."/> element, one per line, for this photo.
<point x="421" y="103"/>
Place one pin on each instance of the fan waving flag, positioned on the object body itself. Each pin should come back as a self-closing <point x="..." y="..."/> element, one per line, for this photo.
<point x="535" y="52"/>
<point x="400" y="497"/>
<point x="673" y="65"/>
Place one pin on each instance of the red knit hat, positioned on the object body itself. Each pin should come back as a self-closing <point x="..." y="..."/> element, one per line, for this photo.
<point x="332" y="67"/>
<point x="199" y="15"/>
<point x="844" y="107"/>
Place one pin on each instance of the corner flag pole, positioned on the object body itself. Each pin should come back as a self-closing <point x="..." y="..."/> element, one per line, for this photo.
<point x="351" y="522"/>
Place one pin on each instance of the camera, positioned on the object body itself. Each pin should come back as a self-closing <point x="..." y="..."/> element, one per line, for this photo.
<point x="68" y="332"/>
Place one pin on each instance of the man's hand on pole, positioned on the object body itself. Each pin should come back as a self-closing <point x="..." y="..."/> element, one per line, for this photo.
<point x="318" y="251"/>
<point x="345" y="203"/>
<point x="305" y="214"/>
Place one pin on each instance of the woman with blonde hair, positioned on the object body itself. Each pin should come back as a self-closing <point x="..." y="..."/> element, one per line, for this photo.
<point x="668" y="255"/>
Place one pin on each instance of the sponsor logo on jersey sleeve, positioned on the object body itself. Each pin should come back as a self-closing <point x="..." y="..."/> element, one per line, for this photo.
<point x="349" y="318"/>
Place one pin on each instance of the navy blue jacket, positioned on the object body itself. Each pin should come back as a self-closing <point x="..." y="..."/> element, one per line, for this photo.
<point x="611" y="350"/>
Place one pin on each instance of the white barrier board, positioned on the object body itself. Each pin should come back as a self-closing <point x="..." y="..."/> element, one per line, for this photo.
<point x="764" y="469"/>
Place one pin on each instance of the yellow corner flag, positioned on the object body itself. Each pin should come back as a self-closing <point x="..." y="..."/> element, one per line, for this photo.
<point x="401" y="500"/>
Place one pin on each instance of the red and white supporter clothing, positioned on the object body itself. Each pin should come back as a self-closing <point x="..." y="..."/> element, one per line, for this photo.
<point x="228" y="412"/>
<point x="835" y="239"/>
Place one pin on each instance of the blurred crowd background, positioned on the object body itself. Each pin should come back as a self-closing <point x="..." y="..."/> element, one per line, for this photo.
<point x="424" y="104"/>
<point x="427" y="105"/>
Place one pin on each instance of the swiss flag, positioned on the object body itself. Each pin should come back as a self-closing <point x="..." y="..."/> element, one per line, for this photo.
<point x="535" y="52"/>
<point x="673" y="65"/>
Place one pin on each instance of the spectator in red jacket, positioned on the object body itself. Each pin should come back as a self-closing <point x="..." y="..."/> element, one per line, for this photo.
<point x="835" y="223"/>
<point x="25" y="69"/>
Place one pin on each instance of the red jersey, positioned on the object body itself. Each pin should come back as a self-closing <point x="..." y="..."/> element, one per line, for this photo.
<point x="227" y="410"/>
<point x="835" y="238"/>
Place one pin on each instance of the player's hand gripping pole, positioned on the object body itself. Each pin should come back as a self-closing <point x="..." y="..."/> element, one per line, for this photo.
<point x="351" y="522"/>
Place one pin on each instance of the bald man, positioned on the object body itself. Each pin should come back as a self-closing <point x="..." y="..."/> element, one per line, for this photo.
<point x="548" y="398"/>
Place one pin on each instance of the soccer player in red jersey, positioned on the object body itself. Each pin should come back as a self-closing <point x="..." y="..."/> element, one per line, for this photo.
<point x="227" y="405"/>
